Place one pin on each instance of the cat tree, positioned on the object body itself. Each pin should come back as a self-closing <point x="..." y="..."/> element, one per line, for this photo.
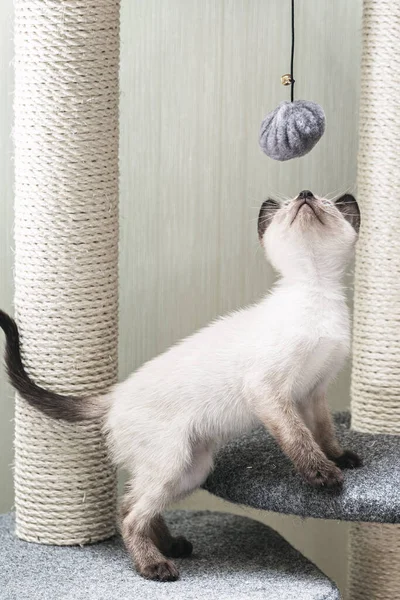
<point x="66" y="248"/>
<point x="66" y="301"/>
<point x="375" y="392"/>
<point x="66" y="257"/>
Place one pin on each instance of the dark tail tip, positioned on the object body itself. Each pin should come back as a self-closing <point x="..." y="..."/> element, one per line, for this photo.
<point x="68" y="408"/>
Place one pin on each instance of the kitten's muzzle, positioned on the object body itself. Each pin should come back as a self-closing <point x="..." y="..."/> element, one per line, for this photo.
<point x="305" y="197"/>
<point x="308" y="198"/>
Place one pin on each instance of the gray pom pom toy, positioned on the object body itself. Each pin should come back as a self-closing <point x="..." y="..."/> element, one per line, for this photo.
<point x="292" y="129"/>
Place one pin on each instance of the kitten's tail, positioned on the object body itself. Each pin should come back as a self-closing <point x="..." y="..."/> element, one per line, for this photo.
<point x="56" y="406"/>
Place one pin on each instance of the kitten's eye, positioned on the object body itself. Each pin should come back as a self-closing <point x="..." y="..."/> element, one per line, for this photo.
<point x="267" y="212"/>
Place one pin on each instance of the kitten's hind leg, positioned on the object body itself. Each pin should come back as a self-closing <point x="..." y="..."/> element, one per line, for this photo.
<point x="138" y="535"/>
<point x="193" y="475"/>
<point x="174" y="547"/>
<point x="145" y="534"/>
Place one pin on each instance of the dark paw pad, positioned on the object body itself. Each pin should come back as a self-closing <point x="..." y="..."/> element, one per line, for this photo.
<point x="328" y="476"/>
<point x="164" y="570"/>
<point x="180" y="548"/>
<point x="348" y="460"/>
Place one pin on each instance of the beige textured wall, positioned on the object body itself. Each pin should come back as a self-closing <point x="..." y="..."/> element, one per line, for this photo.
<point x="197" y="76"/>
<point x="6" y="242"/>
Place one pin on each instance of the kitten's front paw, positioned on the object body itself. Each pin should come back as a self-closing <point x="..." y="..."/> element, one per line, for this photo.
<point x="324" y="475"/>
<point x="348" y="460"/>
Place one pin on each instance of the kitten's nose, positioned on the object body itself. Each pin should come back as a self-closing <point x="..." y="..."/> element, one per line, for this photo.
<point x="305" y="194"/>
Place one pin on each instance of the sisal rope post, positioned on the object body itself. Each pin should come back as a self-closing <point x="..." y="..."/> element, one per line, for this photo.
<point x="374" y="548"/>
<point x="66" y="258"/>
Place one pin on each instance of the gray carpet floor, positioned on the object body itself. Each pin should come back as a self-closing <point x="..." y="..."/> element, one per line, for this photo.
<point x="252" y="470"/>
<point x="234" y="558"/>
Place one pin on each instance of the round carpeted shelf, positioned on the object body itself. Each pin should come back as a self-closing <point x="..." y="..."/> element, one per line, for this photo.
<point x="252" y="470"/>
<point x="234" y="558"/>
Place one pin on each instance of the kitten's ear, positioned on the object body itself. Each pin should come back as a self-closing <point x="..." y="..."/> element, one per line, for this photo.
<point x="348" y="206"/>
<point x="266" y="214"/>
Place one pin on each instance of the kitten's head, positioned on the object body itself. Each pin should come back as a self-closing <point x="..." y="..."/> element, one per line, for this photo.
<point x="309" y="233"/>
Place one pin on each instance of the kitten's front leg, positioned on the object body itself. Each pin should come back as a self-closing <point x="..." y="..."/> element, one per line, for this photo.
<point x="297" y="442"/>
<point x="324" y="433"/>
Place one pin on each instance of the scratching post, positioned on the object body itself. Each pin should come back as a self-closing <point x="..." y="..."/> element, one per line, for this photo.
<point x="66" y="258"/>
<point x="375" y="549"/>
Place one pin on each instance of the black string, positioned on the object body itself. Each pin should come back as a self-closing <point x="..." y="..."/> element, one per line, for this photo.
<point x="292" y="57"/>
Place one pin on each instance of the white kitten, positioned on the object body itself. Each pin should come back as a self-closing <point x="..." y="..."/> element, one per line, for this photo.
<point x="271" y="362"/>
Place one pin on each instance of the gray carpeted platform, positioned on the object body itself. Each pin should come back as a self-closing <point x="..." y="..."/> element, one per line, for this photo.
<point x="252" y="470"/>
<point x="234" y="558"/>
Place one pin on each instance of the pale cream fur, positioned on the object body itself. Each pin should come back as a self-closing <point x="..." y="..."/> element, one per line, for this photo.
<point x="271" y="362"/>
